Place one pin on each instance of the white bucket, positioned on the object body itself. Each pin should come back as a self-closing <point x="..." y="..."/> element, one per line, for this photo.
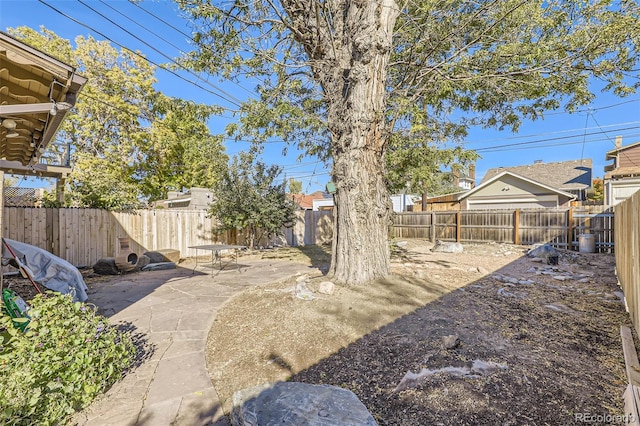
<point x="587" y="243"/>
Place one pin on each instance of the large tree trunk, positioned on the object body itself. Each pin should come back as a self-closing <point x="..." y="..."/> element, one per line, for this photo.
<point x="360" y="250"/>
<point x="350" y="58"/>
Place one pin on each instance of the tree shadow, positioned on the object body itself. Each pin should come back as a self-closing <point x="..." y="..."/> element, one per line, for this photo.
<point x="144" y="349"/>
<point x="319" y="256"/>
<point x="552" y="363"/>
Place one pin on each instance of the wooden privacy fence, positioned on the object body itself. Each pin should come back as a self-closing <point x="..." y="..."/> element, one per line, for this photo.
<point x="310" y="228"/>
<point x="559" y="227"/>
<point x="82" y="236"/>
<point x="628" y="254"/>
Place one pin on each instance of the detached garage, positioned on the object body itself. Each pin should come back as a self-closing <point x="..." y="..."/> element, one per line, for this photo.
<point x="509" y="190"/>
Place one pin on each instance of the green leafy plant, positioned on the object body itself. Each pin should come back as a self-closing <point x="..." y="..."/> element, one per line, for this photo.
<point x="249" y="198"/>
<point x="68" y="355"/>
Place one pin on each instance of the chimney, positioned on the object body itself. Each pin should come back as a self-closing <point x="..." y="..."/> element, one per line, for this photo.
<point x="618" y="142"/>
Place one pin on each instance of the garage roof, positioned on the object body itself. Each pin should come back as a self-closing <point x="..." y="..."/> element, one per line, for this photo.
<point x="36" y="92"/>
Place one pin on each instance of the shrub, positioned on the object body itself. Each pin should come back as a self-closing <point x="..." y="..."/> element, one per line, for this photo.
<point x="68" y="355"/>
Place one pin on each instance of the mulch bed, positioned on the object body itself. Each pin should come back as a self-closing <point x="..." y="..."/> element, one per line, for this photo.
<point x="555" y="366"/>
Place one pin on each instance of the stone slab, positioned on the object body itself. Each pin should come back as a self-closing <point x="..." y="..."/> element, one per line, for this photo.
<point x="292" y="403"/>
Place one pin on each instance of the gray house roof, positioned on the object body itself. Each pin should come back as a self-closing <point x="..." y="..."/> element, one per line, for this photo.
<point x="562" y="175"/>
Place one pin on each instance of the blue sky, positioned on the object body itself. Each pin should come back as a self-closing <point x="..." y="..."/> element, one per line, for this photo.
<point x="588" y="134"/>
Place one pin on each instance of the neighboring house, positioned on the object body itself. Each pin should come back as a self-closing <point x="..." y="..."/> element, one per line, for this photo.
<point x="322" y="204"/>
<point x="622" y="177"/>
<point x="464" y="177"/>
<point x="305" y="201"/>
<point x="194" y="199"/>
<point x="322" y="201"/>
<point x="572" y="176"/>
<point x="508" y="190"/>
<point x="402" y="202"/>
<point x="538" y="185"/>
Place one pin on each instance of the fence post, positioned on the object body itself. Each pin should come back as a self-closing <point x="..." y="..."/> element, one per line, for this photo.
<point x="570" y="228"/>
<point x="433" y="227"/>
<point x="458" y="226"/>
<point x="516" y="227"/>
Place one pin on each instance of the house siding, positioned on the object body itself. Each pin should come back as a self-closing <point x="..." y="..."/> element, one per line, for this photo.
<point x="509" y="192"/>
<point x="623" y="176"/>
<point x="629" y="157"/>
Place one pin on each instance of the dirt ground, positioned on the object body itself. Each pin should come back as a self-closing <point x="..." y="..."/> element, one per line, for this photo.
<point x="482" y="337"/>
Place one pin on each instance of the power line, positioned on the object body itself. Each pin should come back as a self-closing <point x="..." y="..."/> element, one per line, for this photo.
<point x="497" y="147"/>
<point x="626" y="154"/>
<point x="229" y="96"/>
<point x="594" y="108"/>
<point x="190" y="38"/>
<point x="517" y="148"/>
<point x="138" y="55"/>
<point x="141" y="26"/>
<point x="546" y="133"/>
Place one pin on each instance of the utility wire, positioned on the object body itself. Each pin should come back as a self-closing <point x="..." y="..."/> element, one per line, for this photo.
<point x="138" y="54"/>
<point x="556" y="132"/>
<point x="584" y="136"/>
<point x="497" y="147"/>
<point x="190" y="38"/>
<point x="227" y="96"/>
<point x="179" y="49"/>
<point x="626" y="154"/>
<point x="518" y="148"/>
<point x="594" y="109"/>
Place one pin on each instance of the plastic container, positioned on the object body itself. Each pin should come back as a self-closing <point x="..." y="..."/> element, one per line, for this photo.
<point x="16" y="307"/>
<point x="587" y="243"/>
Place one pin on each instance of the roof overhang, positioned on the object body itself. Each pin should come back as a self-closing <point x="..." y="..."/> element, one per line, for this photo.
<point x="610" y="155"/>
<point x="36" y="93"/>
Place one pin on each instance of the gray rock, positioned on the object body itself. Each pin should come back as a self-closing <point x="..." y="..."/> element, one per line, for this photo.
<point x="106" y="266"/>
<point x="545" y="252"/>
<point x="326" y="287"/>
<point x="291" y="403"/>
<point x="560" y="307"/>
<point x="447" y="247"/>
<point x="159" y="266"/>
<point x="164" y="255"/>
<point x="451" y="341"/>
